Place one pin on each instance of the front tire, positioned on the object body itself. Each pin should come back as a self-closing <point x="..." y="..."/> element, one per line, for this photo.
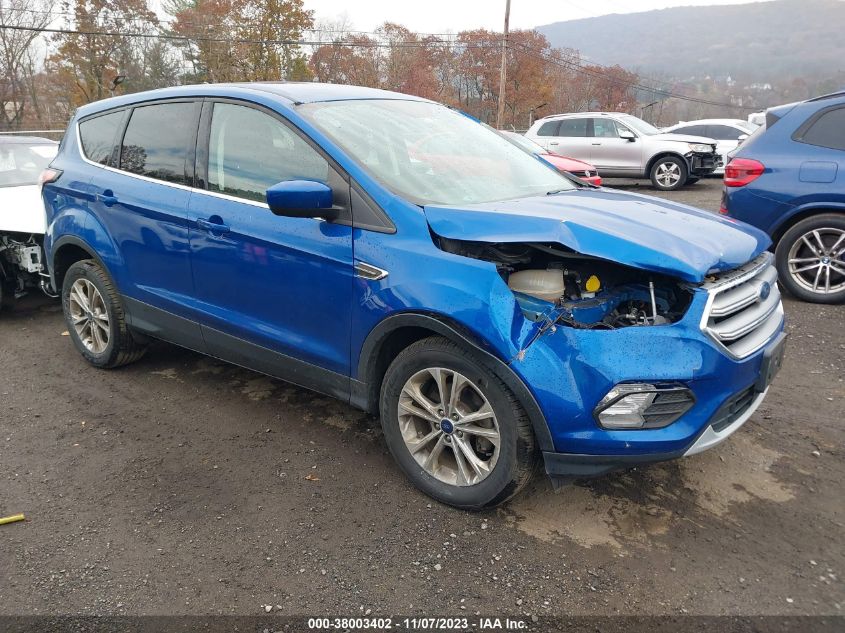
<point x="810" y="259"/>
<point x="454" y="428"/>
<point x="669" y="173"/>
<point x="95" y="318"/>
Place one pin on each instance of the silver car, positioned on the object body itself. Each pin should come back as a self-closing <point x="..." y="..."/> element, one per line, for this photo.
<point x="623" y="146"/>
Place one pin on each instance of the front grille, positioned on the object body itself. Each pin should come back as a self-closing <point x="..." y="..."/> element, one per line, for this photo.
<point x="744" y="311"/>
<point x="733" y="409"/>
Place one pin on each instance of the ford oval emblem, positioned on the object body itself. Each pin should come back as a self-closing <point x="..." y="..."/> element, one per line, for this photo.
<point x="765" y="291"/>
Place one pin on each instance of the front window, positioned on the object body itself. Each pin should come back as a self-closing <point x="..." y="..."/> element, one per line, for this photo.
<point x="639" y="125"/>
<point x="431" y="154"/>
<point x="22" y="163"/>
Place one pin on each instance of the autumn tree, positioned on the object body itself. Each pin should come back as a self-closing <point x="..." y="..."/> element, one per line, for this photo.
<point x="242" y="40"/>
<point x="85" y="64"/>
<point x="22" y="20"/>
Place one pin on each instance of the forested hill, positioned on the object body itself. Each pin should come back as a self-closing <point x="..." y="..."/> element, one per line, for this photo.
<point x="762" y="41"/>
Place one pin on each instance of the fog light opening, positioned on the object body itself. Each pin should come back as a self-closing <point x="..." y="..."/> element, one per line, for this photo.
<point x="643" y="406"/>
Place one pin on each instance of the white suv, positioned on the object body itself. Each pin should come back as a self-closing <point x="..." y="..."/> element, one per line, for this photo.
<point x="623" y="146"/>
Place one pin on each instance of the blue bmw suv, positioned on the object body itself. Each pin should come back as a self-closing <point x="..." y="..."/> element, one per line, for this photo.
<point x="788" y="179"/>
<point x="396" y="254"/>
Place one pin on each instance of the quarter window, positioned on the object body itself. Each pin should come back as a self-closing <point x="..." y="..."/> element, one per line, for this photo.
<point x="827" y="131"/>
<point x="98" y="136"/>
<point x="157" y="141"/>
<point x="250" y="151"/>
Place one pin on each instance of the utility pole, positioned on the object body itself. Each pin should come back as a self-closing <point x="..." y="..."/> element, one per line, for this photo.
<point x="503" y="73"/>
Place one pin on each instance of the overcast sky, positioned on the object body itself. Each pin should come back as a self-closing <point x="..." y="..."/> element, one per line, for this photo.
<point x="442" y="16"/>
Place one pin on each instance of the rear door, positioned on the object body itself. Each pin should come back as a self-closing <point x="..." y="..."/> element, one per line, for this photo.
<point x="275" y="291"/>
<point x="572" y="139"/>
<point x="611" y="153"/>
<point x="142" y="202"/>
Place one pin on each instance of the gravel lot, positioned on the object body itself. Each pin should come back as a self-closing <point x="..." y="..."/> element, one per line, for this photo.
<point x="183" y="485"/>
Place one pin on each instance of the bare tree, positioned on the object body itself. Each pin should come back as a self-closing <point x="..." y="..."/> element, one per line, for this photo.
<point x="19" y="43"/>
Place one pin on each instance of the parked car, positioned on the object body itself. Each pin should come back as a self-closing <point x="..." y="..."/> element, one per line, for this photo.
<point x="788" y="179"/>
<point x="728" y="134"/>
<point x="623" y="146"/>
<point x="491" y="316"/>
<point x="22" y="218"/>
<point x="586" y="172"/>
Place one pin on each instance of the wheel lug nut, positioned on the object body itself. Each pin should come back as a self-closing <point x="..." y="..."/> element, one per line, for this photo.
<point x="460" y="433"/>
<point x="437" y="425"/>
<point x="455" y="417"/>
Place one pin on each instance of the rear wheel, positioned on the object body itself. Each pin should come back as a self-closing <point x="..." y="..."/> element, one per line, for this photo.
<point x="669" y="173"/>
<point x="95" y="318"/>
<point x="811" y="259"/>
<point x="454" y="428"/>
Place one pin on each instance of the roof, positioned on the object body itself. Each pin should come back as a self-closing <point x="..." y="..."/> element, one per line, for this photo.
<point x="17" y="139"/>
<point x="739" y="122"/>
<point x="291" y="92"/>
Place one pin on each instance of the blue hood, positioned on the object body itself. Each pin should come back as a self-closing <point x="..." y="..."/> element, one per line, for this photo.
<point x="630" y="229"/>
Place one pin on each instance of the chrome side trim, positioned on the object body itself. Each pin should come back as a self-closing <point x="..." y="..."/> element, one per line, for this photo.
<point x="369" y="272"/>
<point x="711" y="438"/>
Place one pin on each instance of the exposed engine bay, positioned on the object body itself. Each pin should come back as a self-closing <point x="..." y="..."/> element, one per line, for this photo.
<point x="21" y="265"/>
<point x="554" y="284"/>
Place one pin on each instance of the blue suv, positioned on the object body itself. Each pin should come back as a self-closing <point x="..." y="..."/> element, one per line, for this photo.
<point x="788" y="179"/>
<point x="396" y="254"/>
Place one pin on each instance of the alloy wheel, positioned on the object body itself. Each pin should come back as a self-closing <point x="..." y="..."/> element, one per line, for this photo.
<point x="89" y="316"/>
<point x="668" y="174"/>
<point x="817" y="260"/>
<point x="449" y="426"/>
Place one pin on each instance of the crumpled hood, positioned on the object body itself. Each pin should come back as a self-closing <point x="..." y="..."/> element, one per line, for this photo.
<point x="630" y="229"/>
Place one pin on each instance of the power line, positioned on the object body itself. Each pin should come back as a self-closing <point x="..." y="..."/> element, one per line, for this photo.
<point x="574" y="66"/>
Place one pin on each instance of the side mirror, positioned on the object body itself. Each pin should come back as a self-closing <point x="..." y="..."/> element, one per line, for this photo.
<point x="741" y="138"/>
<point x="301" y="199"/>
<point x="628" y="135"/>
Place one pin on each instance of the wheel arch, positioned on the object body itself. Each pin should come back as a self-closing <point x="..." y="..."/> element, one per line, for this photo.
<point x="802" y="213"/>
<point x="664" y="154"/>
<point x="68" y="250"/>
<point x="396" y="332"/>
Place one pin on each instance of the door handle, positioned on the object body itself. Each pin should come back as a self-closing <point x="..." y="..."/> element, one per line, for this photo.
<point x="596" y="143"/>
<point x="214" y="224"/>
<point x="553" y="143"/>
<point x="107" y="198"/>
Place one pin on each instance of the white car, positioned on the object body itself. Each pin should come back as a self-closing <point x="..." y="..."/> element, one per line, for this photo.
<point x="23" y="220"/>
<point x="728" y="134"/>
<point x="623" y="146"/>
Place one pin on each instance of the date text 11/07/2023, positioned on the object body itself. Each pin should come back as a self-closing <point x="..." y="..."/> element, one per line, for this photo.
<point x="418" y="624"/>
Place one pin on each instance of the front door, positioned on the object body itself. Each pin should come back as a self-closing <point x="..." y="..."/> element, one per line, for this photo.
<point x="275" y="292"/>
<point x="611" y="153"/>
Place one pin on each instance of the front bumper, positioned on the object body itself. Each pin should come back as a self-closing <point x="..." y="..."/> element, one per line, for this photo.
<point x="703" y="164"/>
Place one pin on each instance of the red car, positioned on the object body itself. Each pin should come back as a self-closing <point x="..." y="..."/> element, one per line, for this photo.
<point x="586" y="172"/>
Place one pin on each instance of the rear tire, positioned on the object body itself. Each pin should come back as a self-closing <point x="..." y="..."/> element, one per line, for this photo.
<point x="96" y="321"/>
<point x="669" y="173"/>
<point x="455" y="461"/>
<point x="810" y="259"/>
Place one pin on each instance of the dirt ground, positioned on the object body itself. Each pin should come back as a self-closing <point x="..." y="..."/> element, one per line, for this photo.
<point x="183" y="485"/>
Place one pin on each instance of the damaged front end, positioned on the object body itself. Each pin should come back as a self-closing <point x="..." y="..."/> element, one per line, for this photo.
<point x="555" y="286"/>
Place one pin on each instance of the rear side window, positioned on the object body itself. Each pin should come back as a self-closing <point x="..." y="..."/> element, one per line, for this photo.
<point x="827" y="130"/>
<point x="250" y="151"/>
<point x="98" y="136"/>
<point x="724" y="132"/>
<point x="157" y="140"/>
<point x="573" y="127"/>
<point x="692" y="130"/>
<point x="549" y="128"/>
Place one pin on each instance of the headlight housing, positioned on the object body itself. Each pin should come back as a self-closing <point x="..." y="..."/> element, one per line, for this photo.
<point x="643" y="406"/>
<point x="700" y="147"/>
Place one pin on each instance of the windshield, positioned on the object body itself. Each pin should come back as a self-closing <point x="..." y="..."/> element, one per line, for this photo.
<point x="525" y="143"/>
<point x="639" y="125"/>
<point x="430" y="154"/>
<point x="22" y="163"/>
